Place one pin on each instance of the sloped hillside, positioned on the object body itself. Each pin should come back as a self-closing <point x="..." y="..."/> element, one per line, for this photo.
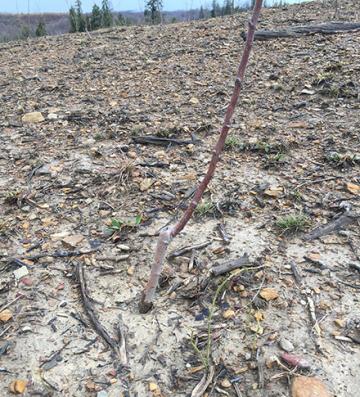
<point x="84" y="191"/>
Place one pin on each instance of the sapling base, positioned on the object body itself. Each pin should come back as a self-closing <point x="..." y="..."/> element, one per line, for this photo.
<point x="166" y="235"/>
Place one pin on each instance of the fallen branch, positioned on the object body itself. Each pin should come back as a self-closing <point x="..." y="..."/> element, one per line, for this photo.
<point x="100" y="330"/>
<point x="167" y="234"/>
<point x="297" y="31"/>
<point x="184" y="250"/>
<point x="233" y="264"/>
<point x="56" y="254"/>
<point x="155" y="140"/>
<point x="339" y="223"/>
<point x="205" y="381"/>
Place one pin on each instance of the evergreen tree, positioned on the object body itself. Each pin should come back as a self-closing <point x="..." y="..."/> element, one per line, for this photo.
<point x="152" y="11"/>
<point x="40" y="29"/>
<point x="121" y="21"/>
<point x="107" y="17"/>
<point x="96" y="18"/>
<point x="25" y="32"/>
<point x="215" y="9"/>
<point x="72" y="18"/>
<point x="201" y="13"/>
<point x="80" y="20"/>
<point x="228" y="8"/>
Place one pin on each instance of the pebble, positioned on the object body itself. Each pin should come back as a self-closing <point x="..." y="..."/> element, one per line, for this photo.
<point x="32" y="117"/>
<point x="225" y="383"/>
<point x="303" y="386"/>
<point x="132" y="155"/>
<point x="102" y="393"/>
<point x="286" y="345"/>
<point x="229" y="313"/>
<point x="21" y="272"/>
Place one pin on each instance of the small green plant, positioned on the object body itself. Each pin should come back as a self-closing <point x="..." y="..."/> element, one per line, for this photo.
<point x="293" y="223"/>
<point x="137" y="130"/>
<point x="343" y="159"/>
<point x="119" y="224"/>
<point x="204" y="208"/>
<point x="274" y="160"/>
<point x="296" y="195"/>
<point x="3" y="228"/>
<point x="232" y="143"/>
<point x="11" y="197"/>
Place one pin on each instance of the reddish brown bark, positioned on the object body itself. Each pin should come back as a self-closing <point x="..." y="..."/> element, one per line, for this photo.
<point x="170" y="232"/>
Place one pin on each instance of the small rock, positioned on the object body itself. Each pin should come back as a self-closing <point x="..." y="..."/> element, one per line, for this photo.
<point x="123" y="247"/>
<point x="21" y="272"/>
<point x="269" y="294"/>
<point x="247" y="356"/>
<point x="26" y="329"/>
<point x="352" y="188"/>
<point x="73" y="241"/>
<point x="303" y="386"/>
<point x="153" y="386"/>
<point x="84" y="165"/>
<point x="102" y="393"/>
<point x="5" y="315"/>
<point x="32" y="117"/>
<point x="145" y="184"/>
<point x="274" y="191"/>
<point x="52" y="116"/>
<point x="340" y="322"/>
<point x="229" y="313"/>
<point x="18" y="386"/>
<point x="194" y="101"/>
<point x="225" y="383"/>
<point x="26" y="281"/>
<point x="130" y="270"/>
<point x="286" y="345"/>
<point x="132" y="155"/>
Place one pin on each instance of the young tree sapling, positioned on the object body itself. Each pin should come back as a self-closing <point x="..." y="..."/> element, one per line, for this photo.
<point x="168" y="233"/>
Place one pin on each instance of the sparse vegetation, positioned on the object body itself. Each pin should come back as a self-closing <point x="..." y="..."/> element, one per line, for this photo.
<point x="119" y="224"/>
<point x="152" y="13"/>
<point x="204" y="208"/>
<point x="233" y="143"/>
<point x="40" y="29"/>
<point x="293" y="223"/>
<point x="343" y="159"/>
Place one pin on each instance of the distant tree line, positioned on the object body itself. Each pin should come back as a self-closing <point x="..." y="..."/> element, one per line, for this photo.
<point x="26" y="32"/>
<point x="100" y="17"/>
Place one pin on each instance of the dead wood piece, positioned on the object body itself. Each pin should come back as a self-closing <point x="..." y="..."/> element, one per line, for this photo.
<point x="56" y="254"/>
<point x="184" y="250"/>
<point x="297" y="31"/>
<point x="334" y="225"/>
<point x="121" y="337"/>
<point x="296" y="273"/>
<point x="156" y="140"/>
<point x="237" y="390"/>
<point x="351" y="265"/>
<point x="201" y="387"/>
<point x="225" y="237"/>
<point x="233" y="264"/>
<point x="98" y="327"/>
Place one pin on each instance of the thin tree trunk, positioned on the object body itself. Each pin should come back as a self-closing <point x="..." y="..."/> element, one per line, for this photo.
<point x="169" y="233"/>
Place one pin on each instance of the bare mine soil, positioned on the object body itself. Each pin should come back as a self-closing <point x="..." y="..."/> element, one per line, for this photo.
<point x="124" y="127"/>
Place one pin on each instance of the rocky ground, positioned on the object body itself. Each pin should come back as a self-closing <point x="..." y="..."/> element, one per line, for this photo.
<point x="83" y="195"/>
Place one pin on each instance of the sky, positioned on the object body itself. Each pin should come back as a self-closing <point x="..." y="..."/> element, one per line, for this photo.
<point x="39" y="6"/>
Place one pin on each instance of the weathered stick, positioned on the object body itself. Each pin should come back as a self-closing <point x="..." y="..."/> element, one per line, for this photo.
<point x="169" y="233"/>
<point x="297" y="31"/>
